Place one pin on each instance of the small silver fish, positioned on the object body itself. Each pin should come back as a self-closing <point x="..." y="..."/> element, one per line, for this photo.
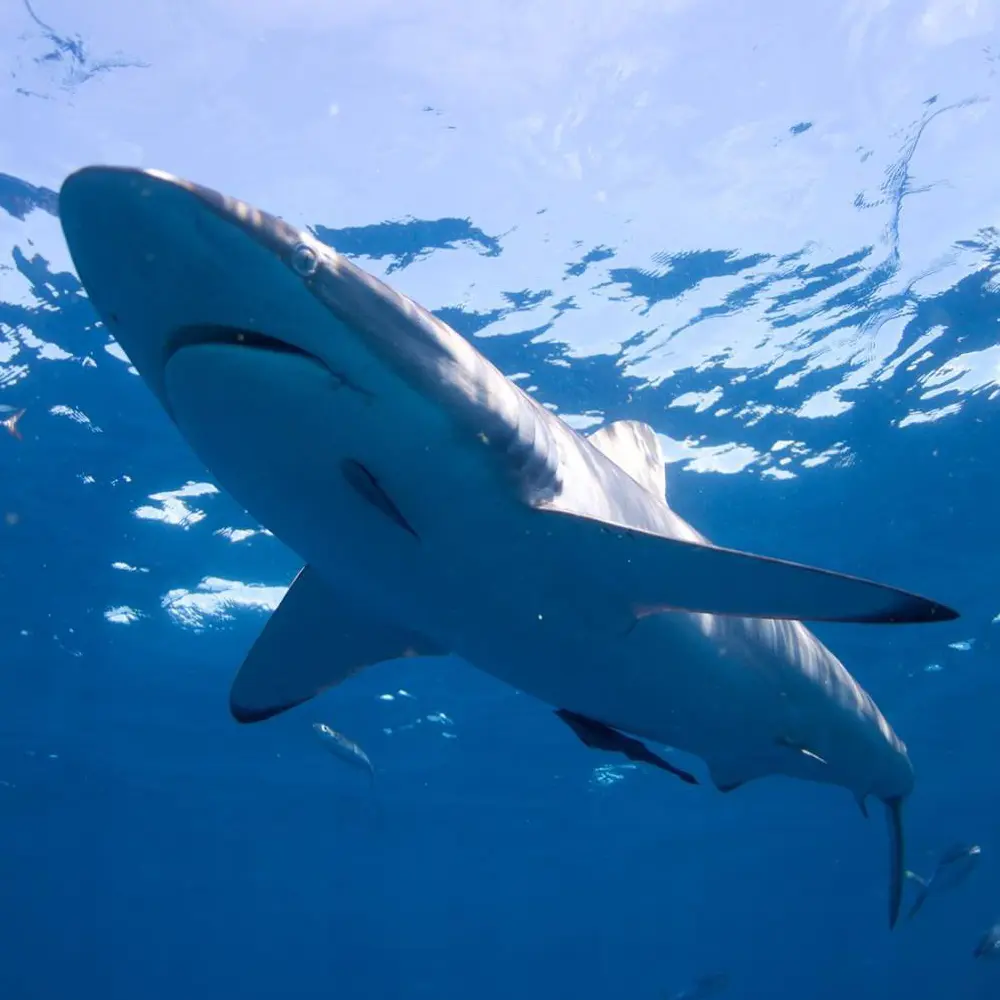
<point x="11" y="415"/>
<point x="953" y="868"/>
<point x="989" y="944"/>
<point x="340" y="746"/>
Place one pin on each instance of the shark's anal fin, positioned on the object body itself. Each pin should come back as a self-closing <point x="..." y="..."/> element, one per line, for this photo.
<point x="656" y="573"/>
<point x="728" y="774"/>
<point x="729" y="788"/>
<point x="315" y="639"/>
<point x="598" y="736"/>
<point x="634" y="447"/>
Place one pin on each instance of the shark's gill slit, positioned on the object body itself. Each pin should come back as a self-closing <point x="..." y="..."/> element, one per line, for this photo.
<point x="367" y="487"/>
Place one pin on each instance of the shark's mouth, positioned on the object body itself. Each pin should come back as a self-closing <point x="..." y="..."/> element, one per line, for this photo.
<point x="231" y="336"/>
<point x="216" y="335"/>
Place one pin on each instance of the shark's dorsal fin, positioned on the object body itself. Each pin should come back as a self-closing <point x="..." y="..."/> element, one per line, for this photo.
<point x="634" y="447"/>
<point x="315" y="639"/>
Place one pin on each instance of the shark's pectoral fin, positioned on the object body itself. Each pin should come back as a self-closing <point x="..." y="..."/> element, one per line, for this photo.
<point x="655" y="573"/>
<point x="315" y="639"/>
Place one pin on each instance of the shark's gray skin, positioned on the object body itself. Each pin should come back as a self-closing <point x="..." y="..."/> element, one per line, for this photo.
<point x="440" y="509"/>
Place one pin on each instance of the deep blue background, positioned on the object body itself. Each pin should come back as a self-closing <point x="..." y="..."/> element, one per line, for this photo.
<point x="151" y="848"/>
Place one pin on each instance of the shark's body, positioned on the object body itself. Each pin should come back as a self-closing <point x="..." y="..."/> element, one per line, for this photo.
<point x="440" y="509"/>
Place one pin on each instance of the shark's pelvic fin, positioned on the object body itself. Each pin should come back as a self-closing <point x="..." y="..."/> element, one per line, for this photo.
<point x="314" y="640"/>
<point x="598" y="736"/>
<point x="634" y="447"/>
<point x="655" y="573"/>
<point x="727" y="776"/>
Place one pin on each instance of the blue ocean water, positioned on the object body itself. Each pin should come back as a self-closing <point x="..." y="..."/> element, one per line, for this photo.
<point x="833" y="406"/>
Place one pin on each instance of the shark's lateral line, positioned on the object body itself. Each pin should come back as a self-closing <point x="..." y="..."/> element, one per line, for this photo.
<point x="439" y="508"/>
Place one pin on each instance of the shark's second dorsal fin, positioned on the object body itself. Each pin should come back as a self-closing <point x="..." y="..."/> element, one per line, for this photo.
<point x="315" y="639"/>
<point x="634" y="447"/>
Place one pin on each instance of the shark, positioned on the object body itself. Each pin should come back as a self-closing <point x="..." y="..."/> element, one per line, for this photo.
<point x="439" y="509"/>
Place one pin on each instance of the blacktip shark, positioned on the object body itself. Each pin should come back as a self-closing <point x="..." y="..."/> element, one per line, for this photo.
<point x="439" y="509"/>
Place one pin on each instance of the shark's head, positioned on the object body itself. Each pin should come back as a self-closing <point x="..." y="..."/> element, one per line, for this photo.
<point x="169" y="263"/>
<point x="226" y="310"/>
<point x="266" y="347"/>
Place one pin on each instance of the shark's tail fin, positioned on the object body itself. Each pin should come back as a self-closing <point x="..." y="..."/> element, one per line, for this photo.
<point x="894" y="817"/>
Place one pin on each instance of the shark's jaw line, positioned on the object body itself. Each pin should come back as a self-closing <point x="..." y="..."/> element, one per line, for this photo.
<point x="191" y="336"/>
<point x="441" y="509"/>
<point x="250" y="340"/>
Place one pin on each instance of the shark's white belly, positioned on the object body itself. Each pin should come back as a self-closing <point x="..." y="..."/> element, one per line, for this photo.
<point x="275" y="430"/>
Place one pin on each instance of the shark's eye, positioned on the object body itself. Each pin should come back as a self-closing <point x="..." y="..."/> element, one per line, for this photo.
<point x="304" y="260"/>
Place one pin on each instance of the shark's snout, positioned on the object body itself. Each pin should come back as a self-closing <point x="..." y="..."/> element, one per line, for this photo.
<point x="160" y="257"/>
